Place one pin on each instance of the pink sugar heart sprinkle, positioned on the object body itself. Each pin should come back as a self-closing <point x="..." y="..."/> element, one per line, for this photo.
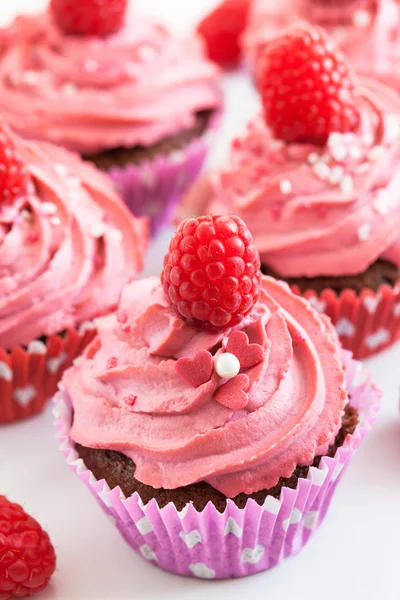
<point x="248" y="354"/>
<point x="232" y="394"/>
<point x="112" y="362"/>
<point x="126" y="328"/>
<point x="298" y="337"/>
<point x="130" y="400"/>
<point x="197" y="370"/>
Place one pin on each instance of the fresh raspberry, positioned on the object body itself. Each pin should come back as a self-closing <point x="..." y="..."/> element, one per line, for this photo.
<point x="211" y="273"/>
<point x="27" y="557"/>
<point x="89" y="17"/>
<point x="222" y="29"/>
<point x="14" y="177"/>
<point x="307" y="87"/>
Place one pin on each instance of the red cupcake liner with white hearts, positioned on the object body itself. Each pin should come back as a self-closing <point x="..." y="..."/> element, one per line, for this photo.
<point x="29" y="376"/>
<point x="367" y="322"/>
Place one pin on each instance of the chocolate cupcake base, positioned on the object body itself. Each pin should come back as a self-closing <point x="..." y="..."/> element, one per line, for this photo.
<point x="118" y="470"/>
<point x="152" y="180"/>
<point x="379" y="273"/>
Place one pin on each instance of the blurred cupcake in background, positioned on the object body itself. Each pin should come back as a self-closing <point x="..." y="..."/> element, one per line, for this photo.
<point x="129" y="96"/>
<point x="368" y="31"/>
<point x="214" y="414"/>
<point x="68" y="245"/>
<point x="317" y="179"/>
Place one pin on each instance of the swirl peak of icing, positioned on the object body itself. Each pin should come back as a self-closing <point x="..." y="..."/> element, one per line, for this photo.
<point x="89" y="94"/>
<point x="179" y="432"/>
<point x="67" y="247"/>
<point x="330" y="210"/>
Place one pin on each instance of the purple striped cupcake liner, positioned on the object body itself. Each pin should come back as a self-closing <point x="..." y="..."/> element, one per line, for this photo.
<point x="155" y="187"/>
<point x="237" y="542"/>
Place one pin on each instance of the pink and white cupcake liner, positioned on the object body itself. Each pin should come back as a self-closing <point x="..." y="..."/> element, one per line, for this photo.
<point x="29" y="376"/>
<point x="154" y="188"/>
<point x="367" y="322"/>
<point x="238" y="542"/>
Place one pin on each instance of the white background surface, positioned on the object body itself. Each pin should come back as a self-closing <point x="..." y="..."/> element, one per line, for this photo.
<point x="356" y="553"/>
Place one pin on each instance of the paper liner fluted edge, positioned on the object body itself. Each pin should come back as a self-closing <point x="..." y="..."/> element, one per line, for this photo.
<point x="366" y="322"/>
<point x="154" y="188"/>
<point x="238" y="542"/>
<point x="29" y="376"/>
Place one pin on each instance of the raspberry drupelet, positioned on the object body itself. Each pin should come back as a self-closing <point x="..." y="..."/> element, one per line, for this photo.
<point x="211" y="274"/>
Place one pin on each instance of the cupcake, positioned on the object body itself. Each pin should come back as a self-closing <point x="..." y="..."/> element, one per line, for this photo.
<point x="316" y="178"/>
<point x="214" y="413"/>
<point x="366" y="30"/>
<point x="129" y="96"/>
<point x="68" y="246"/>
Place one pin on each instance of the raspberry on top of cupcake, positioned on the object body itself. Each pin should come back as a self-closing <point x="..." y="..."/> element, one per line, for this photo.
<point x="316" y="176"/>
<point x="86" y="76"/>
<point x="366" y="30"/>
<point x="214" y="374"/>
<point x="68" y="245"/>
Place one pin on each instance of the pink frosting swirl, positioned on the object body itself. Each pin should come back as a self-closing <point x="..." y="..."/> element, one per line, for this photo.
<point x="90" y="94"/>
<point x="366" y="30"/>
<point x="314" y="211"/>
<point x="67" y="248"/>
<point x="128" y="396"/>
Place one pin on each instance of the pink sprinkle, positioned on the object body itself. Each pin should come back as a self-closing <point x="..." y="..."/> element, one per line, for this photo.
<point x="126" y="328"/>
<point x="122" y="317"/>
<point x="130" y="400"/>
<point x="276" y="211"/>
<point x="298" y="337"/>
<point x="322" y="212"/>
<point x="32" y="237"/>
<point x="112" y="362"/>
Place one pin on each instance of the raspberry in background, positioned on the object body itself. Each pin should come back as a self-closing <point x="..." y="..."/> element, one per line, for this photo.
<point x="211" y="273"/>
<point x="14" y="177"/>
<point x="222" y="29"/>
<point x="307" y="88"/>
<point x="89" y="17"/>
<point x="27" y="556"/>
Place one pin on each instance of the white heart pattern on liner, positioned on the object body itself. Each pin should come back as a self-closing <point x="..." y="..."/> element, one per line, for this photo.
<point x="37" y="347"/>
<point x="272" y="505"/>
<point x="202" y="571"/>
<point x="253" y="555"/>
<point x="24" y="396"/>
<point x="5" y="372"/>
<point x="371" y="303"/>
<point x="191" y="539"/>
<point x="144" y="526"/>
<point x="345" y="327"/>
<point x="310" y="520"/>
<point x="319" y="305"/>
<point x="381" y="337"/>
<point x="396" y="310"/>
<point x="295" y="517"/>
<point x="147" y="552"/>
<point x="53" y="364"/>
<point x="232" y="527"/>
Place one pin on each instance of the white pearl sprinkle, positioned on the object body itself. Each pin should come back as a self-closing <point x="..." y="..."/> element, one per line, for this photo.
<point x="355" y="152"/>
<point x="30" y="77"/>
<point x="48" y="208"/>
<point x="285" y="186"/>
<point x="335" y="139"/>
<point x="336" y="174"/>
<point x="364" y="232"/>
<point x="55" y="221"/>
<point x="375" y="153"/>
<point x="60" y="169"/>
<point x="321" y="170"/>
<point x="339" y="152"/>
<point x="362" y="19"/>
<point x="227" y="365"/>
<point x="346" y="185"/>
<point x="97" y="230"/>
<point x="69" y="89"/>
<point x="313" y="158"/>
